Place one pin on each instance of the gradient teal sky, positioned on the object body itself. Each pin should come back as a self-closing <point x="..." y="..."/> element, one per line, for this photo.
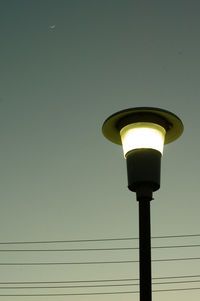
<point x="65" y="66"/>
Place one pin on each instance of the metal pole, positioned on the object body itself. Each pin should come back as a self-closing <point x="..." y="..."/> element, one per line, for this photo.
<point x="145" y="249"/>
<point x="143" y="169"/>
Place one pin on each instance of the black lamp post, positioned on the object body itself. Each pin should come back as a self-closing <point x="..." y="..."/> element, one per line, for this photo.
<point x="143" y="132"/>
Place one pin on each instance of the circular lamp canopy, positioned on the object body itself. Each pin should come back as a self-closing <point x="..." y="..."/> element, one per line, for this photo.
<point x="156" y="126"/>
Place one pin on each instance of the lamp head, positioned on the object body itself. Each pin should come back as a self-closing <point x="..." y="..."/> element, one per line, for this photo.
<point x="142" y="132"/>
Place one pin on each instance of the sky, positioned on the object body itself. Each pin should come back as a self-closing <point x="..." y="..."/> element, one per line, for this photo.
<point x="65" y="66"/>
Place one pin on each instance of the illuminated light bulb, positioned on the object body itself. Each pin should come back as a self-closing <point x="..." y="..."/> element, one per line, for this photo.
<point x="142" y="135"/>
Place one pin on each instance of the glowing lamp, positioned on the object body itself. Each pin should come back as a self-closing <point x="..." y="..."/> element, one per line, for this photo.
<point x="142" y="135"/>
<point x="142" y="132"/>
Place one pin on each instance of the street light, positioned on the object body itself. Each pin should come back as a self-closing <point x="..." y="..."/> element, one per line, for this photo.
<point x="142" y="132"/>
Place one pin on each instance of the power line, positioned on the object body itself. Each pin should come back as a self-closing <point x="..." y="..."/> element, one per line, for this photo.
<point x="70" y="281"/>
<point x="175" y="282"/>
<point x="176" y="236"/>
<point x="70" y="286"/>
<point x="66" y="263"/>
<point x="94" y="262"/>
<point x="176" y="259"/>
<point x="176" y="277"/>
<point x="175" y="246"/>
<point x="95" y="240"/>
<point x="97" y="280"/>
<point x="177" y="289"/>
<point x="68" y="294"/>
<point x="69" y="250"/>
<point x="67" y="241"/>
<point x="97" y="249"/>
<point x="96" y="285"/>
<point x="97" y="293"/>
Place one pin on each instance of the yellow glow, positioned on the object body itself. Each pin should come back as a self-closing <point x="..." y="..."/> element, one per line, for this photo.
<point x="142" y="135"/>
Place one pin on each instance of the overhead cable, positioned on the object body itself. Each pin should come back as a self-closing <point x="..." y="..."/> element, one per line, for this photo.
<point x="97" y="280"/>
<point x="95" y="240"/>
<point x="96" y="285"/>
<point x="98" y="249"/>
<point x="97" y="293"/>
<point x="93" y="262"/>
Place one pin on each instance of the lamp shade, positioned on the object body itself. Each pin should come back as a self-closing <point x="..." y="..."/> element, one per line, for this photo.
<point x="142" y="135"/>
<point x="113" y="125"/>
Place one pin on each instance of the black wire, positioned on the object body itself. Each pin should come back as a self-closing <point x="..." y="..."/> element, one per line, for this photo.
<point x="97" y="280"/>
<point x="96" y="249"/>
<point x="67" y="241"/>
<point x="70" y="281"/>
<point x="175" y="246"/>
<point x="97" y="285"/>
<point x="95" y="240"/>
<point x="175" y="282"/>
<point x="69" y="250"/>
<point x="176" y="236"/>
<point x="66" y="263"/>
<point x="177" y="289"/>
<point x="175" y="277"/>
<point x="69" y="286"/>
<point x="176" y="259"/>
<point x="94" y="262"/>
<point x="97" y="293"/>
<point x="68" y="294"/>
